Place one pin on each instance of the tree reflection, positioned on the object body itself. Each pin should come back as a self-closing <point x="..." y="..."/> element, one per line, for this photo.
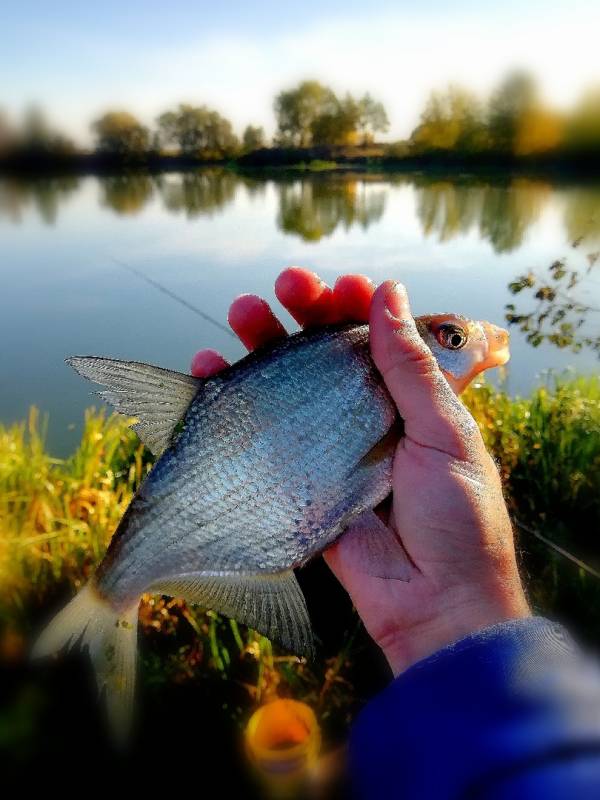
<point x="313" y="209"/>
<point x="502" y="213"/>
<point x="448" y="209"/>
<point x="44" y="194"/>
<point x="128" y="193"/>
<point x="582" y="215"/>
<point x="198" y="193"/>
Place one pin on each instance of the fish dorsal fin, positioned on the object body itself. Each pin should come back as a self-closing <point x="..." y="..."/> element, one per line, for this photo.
<point x="159" y="398"/>
<point x="272" y="604"/>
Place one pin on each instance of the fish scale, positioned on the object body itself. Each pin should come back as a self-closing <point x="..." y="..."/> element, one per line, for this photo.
<point x="260" y="447"/>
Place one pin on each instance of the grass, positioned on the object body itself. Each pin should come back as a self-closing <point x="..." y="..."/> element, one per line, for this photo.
<point x="547" y="447"/>
<point x="57" y="516"/>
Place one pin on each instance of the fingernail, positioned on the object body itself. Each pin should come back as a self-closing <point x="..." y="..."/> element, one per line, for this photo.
<point x="395" y="299"/>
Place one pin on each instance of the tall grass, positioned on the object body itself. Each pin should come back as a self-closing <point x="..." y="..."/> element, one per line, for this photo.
<point x="547" y="447"/>
<point x="57" y="516"/>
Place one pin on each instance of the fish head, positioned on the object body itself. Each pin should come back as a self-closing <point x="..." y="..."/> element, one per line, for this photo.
<point x="463" y="347"/>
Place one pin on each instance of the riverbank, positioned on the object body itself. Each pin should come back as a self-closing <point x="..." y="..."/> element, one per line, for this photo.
<point x="276" y="160"/>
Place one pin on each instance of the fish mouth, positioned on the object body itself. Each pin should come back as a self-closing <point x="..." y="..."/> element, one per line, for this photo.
<point x="498" y="345"/>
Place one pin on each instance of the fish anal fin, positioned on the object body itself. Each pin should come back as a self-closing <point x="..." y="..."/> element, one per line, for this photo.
<point x="158" y="398"/>
<point x="271" y="603"/>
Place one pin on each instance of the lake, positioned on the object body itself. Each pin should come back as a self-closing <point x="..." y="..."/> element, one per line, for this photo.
<point x="68" y="246"/>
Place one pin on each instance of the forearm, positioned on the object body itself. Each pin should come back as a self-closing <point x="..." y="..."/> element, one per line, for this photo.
<point x="512" y="706"/>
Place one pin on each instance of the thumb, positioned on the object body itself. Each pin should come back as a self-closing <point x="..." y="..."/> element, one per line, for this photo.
<point x="433" y="416"/>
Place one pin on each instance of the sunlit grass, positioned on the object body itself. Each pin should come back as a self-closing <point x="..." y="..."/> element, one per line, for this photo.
<point x="57" y="516"/>
<point x="547" y="446"/>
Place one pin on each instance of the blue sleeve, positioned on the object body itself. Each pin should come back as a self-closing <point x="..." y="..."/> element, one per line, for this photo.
<point x="512" y="711"/>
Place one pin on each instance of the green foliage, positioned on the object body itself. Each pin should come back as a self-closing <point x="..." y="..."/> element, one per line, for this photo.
<point x="198" y="131"/>
<point x="296" y="111"/>
<point x="372" y="118"/>
<point x="451" y="120"/>
<point x="119" y="132"/>
<point x="509" y="103"/>
<point x="253" y="138"/>
<point x="311" y="114"/>
<point x="583" y="126"/>
<point x="560" y="316"/>
<point x="512" y="122"/>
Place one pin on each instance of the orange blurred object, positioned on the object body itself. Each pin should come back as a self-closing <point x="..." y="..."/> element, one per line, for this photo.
<point x="283" y="741"/>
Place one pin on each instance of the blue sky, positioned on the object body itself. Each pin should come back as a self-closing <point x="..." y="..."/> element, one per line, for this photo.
<point x="78" y="59"/>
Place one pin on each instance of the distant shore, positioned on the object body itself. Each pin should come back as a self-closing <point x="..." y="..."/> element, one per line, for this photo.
<point x="276" y="160"/>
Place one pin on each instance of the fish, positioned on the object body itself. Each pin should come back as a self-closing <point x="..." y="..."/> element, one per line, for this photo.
<point x="259" y="469"/>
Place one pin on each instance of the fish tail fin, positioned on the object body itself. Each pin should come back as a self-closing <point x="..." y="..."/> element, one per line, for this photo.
<point x="111" y="638"/>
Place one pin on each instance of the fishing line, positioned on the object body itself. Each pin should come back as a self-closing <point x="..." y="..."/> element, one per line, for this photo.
<point x="173" y="296"/>
<point x="560" y="550"/>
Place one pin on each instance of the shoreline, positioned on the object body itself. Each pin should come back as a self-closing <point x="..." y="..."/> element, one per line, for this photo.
<point x="274" y="163"/>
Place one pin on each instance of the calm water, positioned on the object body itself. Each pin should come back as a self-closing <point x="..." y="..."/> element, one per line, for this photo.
<point x="211" y="235"/>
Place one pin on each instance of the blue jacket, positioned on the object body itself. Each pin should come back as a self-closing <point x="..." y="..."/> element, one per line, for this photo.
<point x="508" y="713"/>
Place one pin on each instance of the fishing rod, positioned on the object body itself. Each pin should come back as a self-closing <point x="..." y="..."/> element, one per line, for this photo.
<point x="182" y="301"/>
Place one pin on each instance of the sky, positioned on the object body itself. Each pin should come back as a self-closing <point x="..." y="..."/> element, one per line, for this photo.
<point x="76" y="60"/>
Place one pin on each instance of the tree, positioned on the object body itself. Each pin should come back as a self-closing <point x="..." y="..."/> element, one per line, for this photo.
<point x="39" y="138"/>
<point x="338" y="125"/>
<point x="538" y="130"/>
<point x="583" y="127"/>
<point x="7" y="134"/>
<point x="121" y="133"/>
<point x="516" y="97"/>
<point x="198" y="131"/>
<point x="372" y="118"/>
<point x="297" y="110"/>
<point x="253" y="138"/>
<point x="451" y="120"/>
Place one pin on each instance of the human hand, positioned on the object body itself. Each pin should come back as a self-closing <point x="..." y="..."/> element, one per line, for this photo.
<point x="447" y="509"/>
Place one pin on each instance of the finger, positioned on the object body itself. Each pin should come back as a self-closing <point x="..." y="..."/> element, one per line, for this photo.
<point x="308" y="299"/>
<point x="253" y="321"/>
<point x="432" y="414"/>
<point x="352" y="295"/>
<point x="206" y="363"/>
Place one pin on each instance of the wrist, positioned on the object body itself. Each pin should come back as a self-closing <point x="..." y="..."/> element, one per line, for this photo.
<point x="404" y="647"/>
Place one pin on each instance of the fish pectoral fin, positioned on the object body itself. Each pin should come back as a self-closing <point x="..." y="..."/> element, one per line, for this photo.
<point x="159" y="398"/>
<point x="271" y="603"/>
<point x="375" y="546"/>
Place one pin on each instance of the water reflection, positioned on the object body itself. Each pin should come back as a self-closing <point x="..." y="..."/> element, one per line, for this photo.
<point x="582" y="216"/>
<point x="501" y="214"/>
<point x="45" y="195"/>
<point x="312" y="207"/>
<point x="126" y="194"/>
<point x="197" y="193"/>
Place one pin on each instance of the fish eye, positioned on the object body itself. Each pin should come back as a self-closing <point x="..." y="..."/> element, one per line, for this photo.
<point x="452" y="337"/>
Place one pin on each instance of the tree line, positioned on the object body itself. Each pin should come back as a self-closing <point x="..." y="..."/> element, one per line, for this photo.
<point x="514" y="120"/>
